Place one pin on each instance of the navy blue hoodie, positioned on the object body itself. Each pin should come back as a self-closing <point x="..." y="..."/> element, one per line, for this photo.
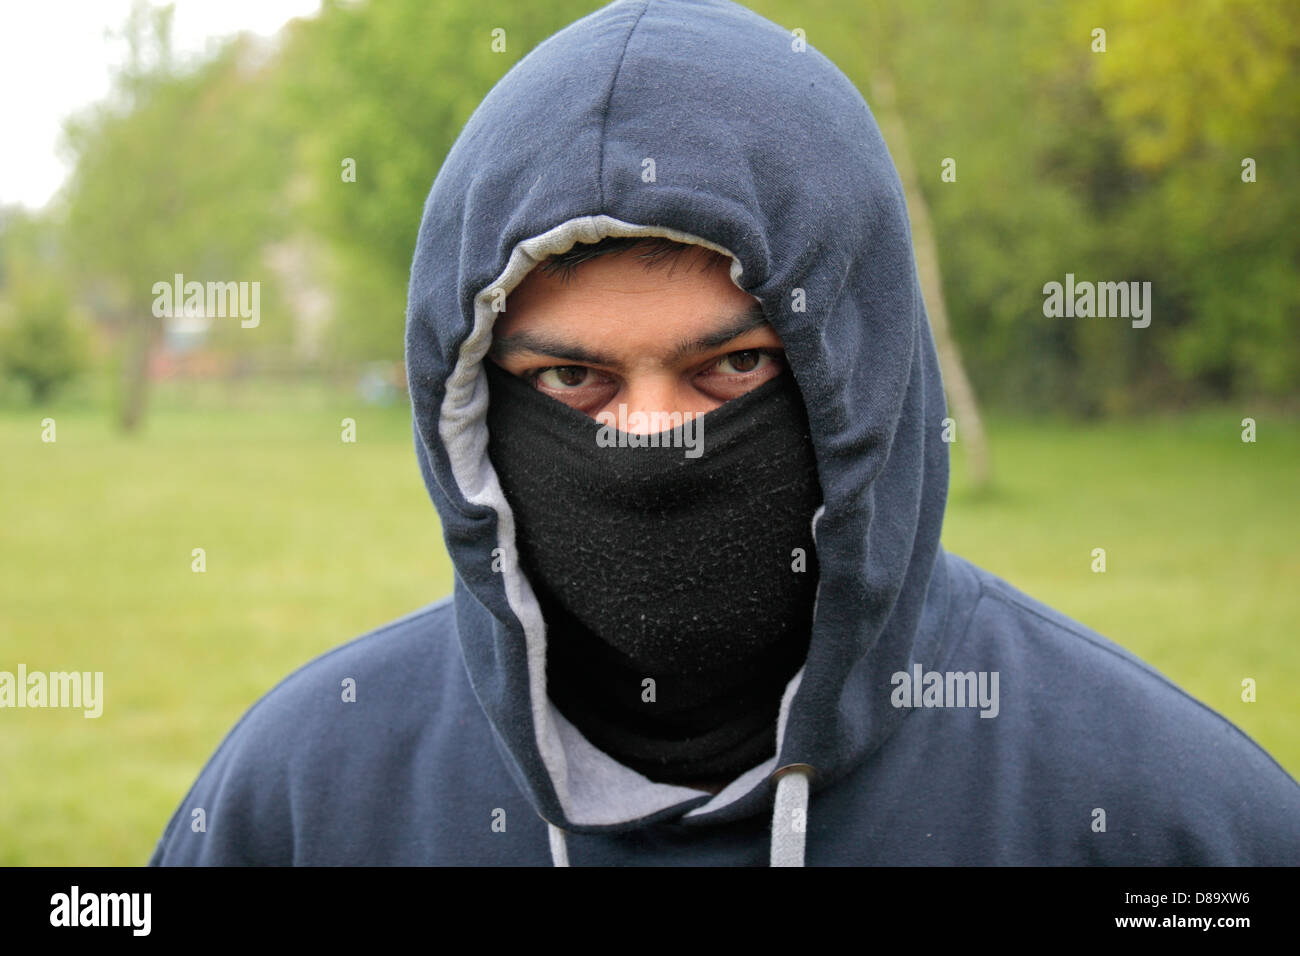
<point x="941" y="716"/>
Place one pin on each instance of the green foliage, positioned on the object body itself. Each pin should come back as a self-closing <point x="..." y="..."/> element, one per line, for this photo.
<point x="41" y="344"/>
<point x="1117" y="166"/>
<point x="1191" y="91"/>
<point x="389" y="86"/>
<point x="180" y="171"/>
<point x="1120" y="166"/>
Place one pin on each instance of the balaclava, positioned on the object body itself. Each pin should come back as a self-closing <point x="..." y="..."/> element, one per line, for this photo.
<point x="677" y="582"/>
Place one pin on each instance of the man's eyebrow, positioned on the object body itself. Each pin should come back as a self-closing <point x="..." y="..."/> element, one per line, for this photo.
<point x="542" y="344"/>
<point x="752" y="318"/>
<point x="547" y="345"/>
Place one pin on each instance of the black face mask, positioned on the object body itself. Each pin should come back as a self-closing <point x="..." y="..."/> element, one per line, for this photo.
<point x="690" y="565"/>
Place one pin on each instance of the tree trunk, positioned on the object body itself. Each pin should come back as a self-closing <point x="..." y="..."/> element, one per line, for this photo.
<point x="961" y="396"/>
<point x="135" y="373"/>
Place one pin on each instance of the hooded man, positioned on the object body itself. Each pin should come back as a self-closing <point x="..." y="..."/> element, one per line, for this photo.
<point x="729" y="637"/>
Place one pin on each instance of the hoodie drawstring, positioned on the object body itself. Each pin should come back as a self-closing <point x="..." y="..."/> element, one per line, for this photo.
<point x="789" y="820"/>
<point x="790" y="814"/>
<point x="559" y="848"/>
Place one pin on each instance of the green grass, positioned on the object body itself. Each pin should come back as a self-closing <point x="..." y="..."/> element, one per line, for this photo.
<point x="1202" y="539"/>
<point x="311" y="542"/>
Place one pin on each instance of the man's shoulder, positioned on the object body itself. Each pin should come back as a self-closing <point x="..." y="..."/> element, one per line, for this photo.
<point x="1055" y="657"/>
<point x="365" y="710"/>
<point x="403" y="659"/>
<point x="1081" y="714"/>
<point x="1030" y="632"/>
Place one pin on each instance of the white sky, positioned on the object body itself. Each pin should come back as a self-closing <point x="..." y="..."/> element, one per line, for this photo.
<point x="55" y="59"/>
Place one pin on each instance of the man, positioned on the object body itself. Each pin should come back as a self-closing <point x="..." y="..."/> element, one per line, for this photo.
<point x="730" y="637"/>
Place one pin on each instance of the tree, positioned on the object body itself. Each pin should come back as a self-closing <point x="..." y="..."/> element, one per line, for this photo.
<point x="40" y="343"/>
<point x="377" y="93"/>
<point x="1204" y="103"/>
<point x="43" y="345"/>
<point x="961" y="396"/>
<point x="178" y="172"/>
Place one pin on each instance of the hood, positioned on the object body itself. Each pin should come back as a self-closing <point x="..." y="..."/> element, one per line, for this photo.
<point x="768" y="155"/>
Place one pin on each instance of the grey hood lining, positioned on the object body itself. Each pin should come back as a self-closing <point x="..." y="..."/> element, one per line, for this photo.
<point x="593" y="788"/>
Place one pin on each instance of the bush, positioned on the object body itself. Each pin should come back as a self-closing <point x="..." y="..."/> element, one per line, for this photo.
<point x="42" y="345"/>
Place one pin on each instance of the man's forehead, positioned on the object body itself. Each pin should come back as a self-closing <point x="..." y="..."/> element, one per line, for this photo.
<point x="615" y="300"/>
<point x="598" y="344"/>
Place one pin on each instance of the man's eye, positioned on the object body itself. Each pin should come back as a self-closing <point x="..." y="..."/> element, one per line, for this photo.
<point x="741" y="363"/>
<point x="562" y="376"/>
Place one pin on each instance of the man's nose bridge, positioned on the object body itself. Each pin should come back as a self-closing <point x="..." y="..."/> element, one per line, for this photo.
<point x="655" y="398"/>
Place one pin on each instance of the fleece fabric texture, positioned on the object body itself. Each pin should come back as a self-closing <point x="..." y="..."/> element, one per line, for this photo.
<point x="452" y="752"/>
<point x="691" y="566"/>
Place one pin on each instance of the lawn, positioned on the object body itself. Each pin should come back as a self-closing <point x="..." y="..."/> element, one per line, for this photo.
<point x="310" y="541"/>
